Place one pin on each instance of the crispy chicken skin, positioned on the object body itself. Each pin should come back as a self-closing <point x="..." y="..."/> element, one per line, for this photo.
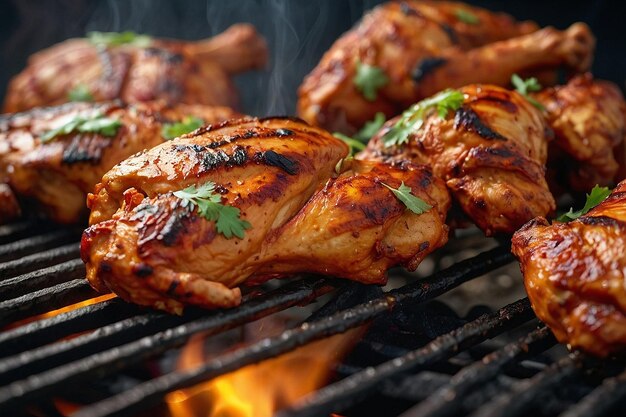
<point x="575" y="275"/>
<point x="59" y="173"/>
<point x="173" y="71"/>
<point x="149" y="249"/>
<point x="491" y="153"/>
<point x="588" y="119"/>
<point x="423" y="47"/>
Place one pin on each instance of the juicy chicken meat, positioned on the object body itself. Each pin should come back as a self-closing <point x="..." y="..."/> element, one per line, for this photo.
<point x="60" y="172"/>
<point x="173" y="71"/>
<point x="491" y="152"/>
<point x="425" y="46"/>
<point x="149" y="248"/>
<point x="575" y="275"/>
<point x="588" y="118"/>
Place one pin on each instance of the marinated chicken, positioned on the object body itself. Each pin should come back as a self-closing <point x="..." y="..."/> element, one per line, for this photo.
<point x="277" y="179"/>
<point x="490" y="148"/>
<point x="59" y="170"/>
<point x="588" y="118"/>
<point x="402" y="52"/>
<point x="575" y="275"/>
<point x="139" y="69"/>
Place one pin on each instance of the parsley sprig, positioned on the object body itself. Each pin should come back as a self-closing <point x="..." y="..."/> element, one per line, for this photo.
<point x="119" y="38"/>
<point x="467" y="17"/>
<point x="96" y="123"/>
<point x="413" y="118"/>
<point x="360" y="138"/>
<point x="413" y="203"/>
<point x="209" y="203"/>
<point x="369" y="79"/>
<point x="80" y="92"/>
<point x="524" y="87"/>
<point x="174" y="130"/>
<point x="596" y="196"/>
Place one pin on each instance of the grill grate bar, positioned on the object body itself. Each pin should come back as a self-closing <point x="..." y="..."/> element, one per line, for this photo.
<point x="106" y="362"/>
<point x="42" y="278"/>
<point x="45" y="300"/>
<point x="445" y="401"/>
<point x="41" y="332"/>
<point x="30" y="245"/>
<point x="14" y="231"/>
<point x="601" y="400"/>
<point x="38" y="260"/>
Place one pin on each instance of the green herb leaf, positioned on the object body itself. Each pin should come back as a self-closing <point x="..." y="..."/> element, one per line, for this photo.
<point x="95" y="123"/>
<point x="467" y="17"/>
<point x="119" y="38"/>
<point x="80" y="93"/>
<point x="353" y="144"/>
<point x="524" y="87"/>
<point x="174" y="130"/>
<point x="598" y="194"/>
<point x="369" y="79"/>
<point x="209" y="203"/>
<point x="413" y="119"/>
<point x="370" y="128"/>
<point x="413" y="203"/>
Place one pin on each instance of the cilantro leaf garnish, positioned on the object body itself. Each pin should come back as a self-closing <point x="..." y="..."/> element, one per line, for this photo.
<point x="80" y="93"/>
<point x="119" y="38"/>
<point x="353" y="144"/>
<point x="524" y="87"/>
<point x="413" y="203"/>
<point x="369" y="79"/>
<point x="96" y="123"/>
<point x="413" y="118"/>
<point x="596" y="196"/>
<point x="360" y="138"/>
<point x="467" y="17"/>
<point x="209" y="203"/>
<point x="174" y="130"/>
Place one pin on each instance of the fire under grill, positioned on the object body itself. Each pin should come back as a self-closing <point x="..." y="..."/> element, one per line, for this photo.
<point x="488" y="363"/>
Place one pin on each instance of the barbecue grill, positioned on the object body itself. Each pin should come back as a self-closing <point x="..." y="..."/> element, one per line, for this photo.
<point x="493" y="364"/>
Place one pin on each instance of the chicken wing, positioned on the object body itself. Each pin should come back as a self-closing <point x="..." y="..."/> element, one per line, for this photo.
<point x="414" y="49"/>
<point x="575" y="275"/>
<point x="59" y="172"/>
<point x="150" y="248"/>
<point x="173" y="71"/>
<point x="588" y="119"/>
<point x="491" y="152"/>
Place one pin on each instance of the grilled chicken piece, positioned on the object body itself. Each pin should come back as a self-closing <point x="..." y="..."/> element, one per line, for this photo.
<point x="174" y="71"/>
<point x="491" y="153"/>
<point x="588" y="119"/>
<point x="426" y="46"/>
<point x="149" y="248"/>
<point x="575" y="275"/>
<point x="59" y="173"/>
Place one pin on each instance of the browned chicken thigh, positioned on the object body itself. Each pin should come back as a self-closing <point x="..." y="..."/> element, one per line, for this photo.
<point x="58" y="171"/>
<point x="153" y="69"/>
<point x="575" y="275"/>
<point x="588" y="118"/>
<point x="402" y="52"/>
<point x="490" y="148"/>
<point x="276" y="180"/>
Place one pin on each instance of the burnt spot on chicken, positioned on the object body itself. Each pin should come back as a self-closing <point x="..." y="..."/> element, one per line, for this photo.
<point x="454" y="37"/>
<point x="602" y="221"/>
<point x="167" y="56"/>
<point x="408" y="10"/>
<point x="280" y="161"/>
<point x="426" y="66"/>
<point x="142" y="270"/>
<point x="86" y="148"/>
<point x="283" y="132"/>
<point x="466" y="118"/>
<point x="171" y="290"/>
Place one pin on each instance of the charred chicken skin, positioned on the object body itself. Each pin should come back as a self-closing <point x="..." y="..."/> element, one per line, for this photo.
<point x="60" y="171"/>
<point x="173" y="71"/>
<point x="150" y="248"/>
<point x="491" y="153"/>
<point x="413" y="49"/>
<point x="575" y="275"/>
<point x="588" y="118"/>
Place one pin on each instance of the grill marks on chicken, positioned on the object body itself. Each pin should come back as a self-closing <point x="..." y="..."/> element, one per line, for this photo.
<point x="149" y="249"/>
<point x="574" y="275"/>
<point x="491" y="153"/>
<point x="424" y="47"/>
<point x="60" y="172"/>
<point x="173" y="71"/>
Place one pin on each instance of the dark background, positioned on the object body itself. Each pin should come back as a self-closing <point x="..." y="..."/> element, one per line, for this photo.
<point x="298" y="32"/>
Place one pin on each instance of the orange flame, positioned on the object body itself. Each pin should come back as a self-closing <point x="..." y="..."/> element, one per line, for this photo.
<point x="262" y="389"/>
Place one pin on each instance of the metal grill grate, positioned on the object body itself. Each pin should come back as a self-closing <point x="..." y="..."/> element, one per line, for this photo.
<point x="41" y="272"/>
